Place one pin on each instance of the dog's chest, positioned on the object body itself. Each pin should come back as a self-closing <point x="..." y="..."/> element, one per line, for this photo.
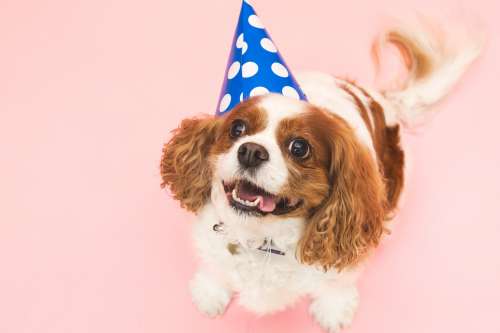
<point x="256" y="268"/>
<point x="251" y="261"/>
<point x="233" y="253"/>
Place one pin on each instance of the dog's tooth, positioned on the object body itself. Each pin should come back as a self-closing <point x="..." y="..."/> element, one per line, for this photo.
<point x="248" y="203"/>
<point x="236" y="198"/>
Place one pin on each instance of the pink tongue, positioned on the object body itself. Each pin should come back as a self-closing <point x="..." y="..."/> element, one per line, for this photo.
<point x="266" y="203"/>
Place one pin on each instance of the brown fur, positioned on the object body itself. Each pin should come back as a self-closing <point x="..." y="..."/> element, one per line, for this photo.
<point x="344" y="194"/>
<point x="248" y="111"/>
<point x="386" y="141"/>
<point x="186" y="165"/>
<point x="308" y="179"/>
<point x="348" y="219"/>
<point x="414" y="57"/>
<point x="363" y="110"/>
<point x="390" y="155"/>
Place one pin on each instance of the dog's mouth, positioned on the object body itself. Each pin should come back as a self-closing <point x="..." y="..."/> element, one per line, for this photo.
<point x="247" y="197"/>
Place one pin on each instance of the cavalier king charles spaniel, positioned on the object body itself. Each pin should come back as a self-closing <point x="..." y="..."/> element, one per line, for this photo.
<point x="291" y="197"/>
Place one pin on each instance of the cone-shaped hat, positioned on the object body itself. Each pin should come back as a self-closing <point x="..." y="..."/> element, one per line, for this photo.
<point x="255" y="66"/>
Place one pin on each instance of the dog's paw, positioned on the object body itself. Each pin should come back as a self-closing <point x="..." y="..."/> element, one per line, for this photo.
<point x="334" y="311"/>
<point x="210" y="297"/>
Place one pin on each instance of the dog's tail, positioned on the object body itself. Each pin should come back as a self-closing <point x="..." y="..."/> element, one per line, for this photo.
<point x="434" y="61"/>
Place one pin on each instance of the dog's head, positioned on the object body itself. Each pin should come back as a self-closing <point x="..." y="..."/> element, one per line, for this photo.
<point x="273" y="158"/>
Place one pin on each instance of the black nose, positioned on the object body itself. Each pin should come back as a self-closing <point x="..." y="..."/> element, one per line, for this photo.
<point x="252" y="155"/>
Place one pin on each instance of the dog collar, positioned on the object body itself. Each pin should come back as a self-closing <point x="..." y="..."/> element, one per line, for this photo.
<point x="267" y="246"/>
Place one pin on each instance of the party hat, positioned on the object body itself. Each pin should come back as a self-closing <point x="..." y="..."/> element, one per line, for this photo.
<point x="255" y="66"/>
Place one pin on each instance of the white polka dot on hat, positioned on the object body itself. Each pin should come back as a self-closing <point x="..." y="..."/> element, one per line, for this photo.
<point x="255" y="65"/>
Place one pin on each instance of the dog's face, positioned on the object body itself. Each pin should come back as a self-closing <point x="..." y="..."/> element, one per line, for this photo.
<point x="271" y="161"/>
<point x="273" y="158"/>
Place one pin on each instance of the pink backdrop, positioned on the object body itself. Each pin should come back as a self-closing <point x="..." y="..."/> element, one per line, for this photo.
<point x="88" y="93"/>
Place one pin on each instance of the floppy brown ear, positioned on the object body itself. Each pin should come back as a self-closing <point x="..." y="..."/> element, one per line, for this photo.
<point x="350" y="220"/>
<point x="185" y="165"/>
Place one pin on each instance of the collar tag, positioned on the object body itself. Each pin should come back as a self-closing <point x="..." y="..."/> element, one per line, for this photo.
<point x="268" y="245"/>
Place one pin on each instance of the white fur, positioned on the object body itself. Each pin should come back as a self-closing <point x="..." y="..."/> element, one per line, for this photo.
<point x="273" y="174"/>
<point x="450" y="53"/>
<point x="264" y="282"/>
<point x="334" y="307"/>
<point x="323" y="90"/>
<point x="209" y="294"/>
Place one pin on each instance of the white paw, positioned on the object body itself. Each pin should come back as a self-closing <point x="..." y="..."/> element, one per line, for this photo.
<point x="335" y="311"/>
<point x="209" y="296"/>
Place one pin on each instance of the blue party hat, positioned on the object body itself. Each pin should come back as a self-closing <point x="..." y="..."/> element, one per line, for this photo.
<point x="255" y="66"/>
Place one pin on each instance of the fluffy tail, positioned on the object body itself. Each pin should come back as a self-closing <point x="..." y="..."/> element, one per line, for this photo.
<point x="434" y="61"/>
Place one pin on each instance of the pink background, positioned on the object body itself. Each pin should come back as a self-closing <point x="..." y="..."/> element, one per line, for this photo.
<point x="88" y="93"/>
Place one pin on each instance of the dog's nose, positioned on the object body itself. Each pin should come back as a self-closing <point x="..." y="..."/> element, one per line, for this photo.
<point x="252" y="155"/>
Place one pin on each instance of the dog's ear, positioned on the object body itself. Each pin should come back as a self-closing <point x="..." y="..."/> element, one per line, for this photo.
<point x="350" y="220"/>
<point x="185" y="164"/>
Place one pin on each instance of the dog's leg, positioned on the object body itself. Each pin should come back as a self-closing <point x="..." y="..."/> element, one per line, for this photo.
<point x="209" y="294"/>
<point x="333" y="307"/>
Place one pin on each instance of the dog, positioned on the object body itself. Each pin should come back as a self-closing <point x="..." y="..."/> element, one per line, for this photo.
<point x="291" y="197"/>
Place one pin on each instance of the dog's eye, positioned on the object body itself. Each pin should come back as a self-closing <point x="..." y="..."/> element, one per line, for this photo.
<point x="299" y="148"/>
<point x="238" y="128"/>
